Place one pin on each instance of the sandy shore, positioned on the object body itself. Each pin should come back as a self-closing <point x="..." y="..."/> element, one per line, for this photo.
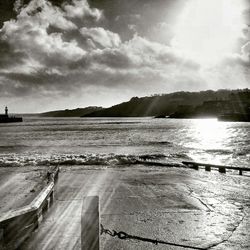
<point x="195" y="208"/>
<point x="19" y="186"/>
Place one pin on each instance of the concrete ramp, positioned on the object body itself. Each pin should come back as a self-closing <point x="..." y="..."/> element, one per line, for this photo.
<point x="173" y="205"/>
<point x="61" y="228"/>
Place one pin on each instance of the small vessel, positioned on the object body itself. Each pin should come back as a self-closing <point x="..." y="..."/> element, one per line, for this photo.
<point x="160" y="116"/>
<point x="5" y="118"/>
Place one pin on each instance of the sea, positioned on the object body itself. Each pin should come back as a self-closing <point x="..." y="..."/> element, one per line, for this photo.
<point x="114" y="142"/>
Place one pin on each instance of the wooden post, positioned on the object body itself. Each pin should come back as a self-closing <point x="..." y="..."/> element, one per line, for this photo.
<point x="90" y="223"/>
<point x="195" y="166"/>
<point x="208" y="168"/>
<point x="222" y="170"/>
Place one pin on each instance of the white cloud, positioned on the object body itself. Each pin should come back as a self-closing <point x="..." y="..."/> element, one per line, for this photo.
<point x="101" y="37"/>
<point x="80" y="9"/>
<point x="29" y="34"/>
<point x="54" y="50"/>
<point x="47" y="14"/>
<point x="18" y="5"/>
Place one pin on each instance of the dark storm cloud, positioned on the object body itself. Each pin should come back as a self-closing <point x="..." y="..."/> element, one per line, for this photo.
<point x="66" y="47"/>
<point x="9" y="57"/>
<point x="60" y="47"/>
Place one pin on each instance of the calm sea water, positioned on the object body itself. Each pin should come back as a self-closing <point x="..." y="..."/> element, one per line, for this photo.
<point x="115" y="141"/>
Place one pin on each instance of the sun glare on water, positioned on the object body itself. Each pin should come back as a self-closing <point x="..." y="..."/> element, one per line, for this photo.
<point x="207" y="30"/>
<point x="209" y="135"/>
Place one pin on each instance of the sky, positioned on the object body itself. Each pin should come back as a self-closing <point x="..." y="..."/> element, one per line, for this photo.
<point x="57" y="54"/>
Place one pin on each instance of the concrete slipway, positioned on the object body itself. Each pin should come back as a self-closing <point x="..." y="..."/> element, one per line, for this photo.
<point x="183" y="206"/>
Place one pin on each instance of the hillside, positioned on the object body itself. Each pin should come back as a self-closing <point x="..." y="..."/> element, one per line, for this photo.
<point x="165" y="104"/>
<point x="70" y="112"/>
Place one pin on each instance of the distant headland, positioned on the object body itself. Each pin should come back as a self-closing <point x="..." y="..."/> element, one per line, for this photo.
<point x="222" y="104"/>
<point x="236" y="107"/>
<point x="71" y="112"/>
<point x="228" y="105"/>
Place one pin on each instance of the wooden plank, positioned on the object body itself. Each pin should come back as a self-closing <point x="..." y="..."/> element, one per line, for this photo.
<point x="90" y="223"/>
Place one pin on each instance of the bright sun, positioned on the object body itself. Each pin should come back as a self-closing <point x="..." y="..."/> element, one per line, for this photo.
<point x="207" y="30"/>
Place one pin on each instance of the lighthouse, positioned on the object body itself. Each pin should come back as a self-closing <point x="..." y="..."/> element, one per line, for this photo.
<point x="4" y="118"/>
<point x="6" y="111"/>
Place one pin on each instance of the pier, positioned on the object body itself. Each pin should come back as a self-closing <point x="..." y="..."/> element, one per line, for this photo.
<point x="5" y="118"/>
<point x="208" y="167"/>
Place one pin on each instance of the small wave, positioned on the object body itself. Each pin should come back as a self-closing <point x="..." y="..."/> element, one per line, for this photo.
<point x="180" y="156"/>
<point x="152" y="157"/>
<point x="3" y="147"/>
<point x="238" y="152"/>
<point x="158" y="143"/>
<point x="219" y="151"/>
<point x="118" y="123"/>
<point x="14" y="160"/>
<point x="244" y="151"/>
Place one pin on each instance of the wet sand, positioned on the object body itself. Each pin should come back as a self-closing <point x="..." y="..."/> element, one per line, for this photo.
<point x="182" y="206"/>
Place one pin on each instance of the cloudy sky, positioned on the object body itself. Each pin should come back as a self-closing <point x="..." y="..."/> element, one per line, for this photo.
<point x="57" y="54"/>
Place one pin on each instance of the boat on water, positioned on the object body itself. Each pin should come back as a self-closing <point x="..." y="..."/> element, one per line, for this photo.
<point x="160" y="116"/>
<point x="5" y="118"/>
